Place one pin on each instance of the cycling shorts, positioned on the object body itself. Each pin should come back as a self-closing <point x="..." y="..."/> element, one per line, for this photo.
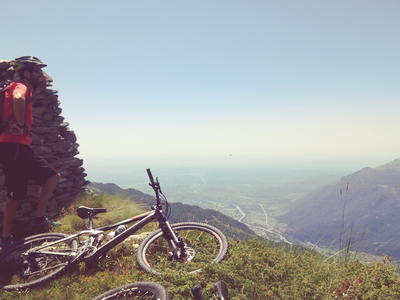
<point x="20" y="165"/>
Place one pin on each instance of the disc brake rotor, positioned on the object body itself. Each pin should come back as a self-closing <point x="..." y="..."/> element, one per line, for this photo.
<point x="190" y="253"/>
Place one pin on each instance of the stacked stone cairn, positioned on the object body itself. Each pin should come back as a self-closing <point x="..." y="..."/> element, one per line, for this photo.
<point x="54" y="141"/>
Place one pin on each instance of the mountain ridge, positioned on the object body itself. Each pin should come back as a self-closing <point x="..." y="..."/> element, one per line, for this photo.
<point x="363" y="207"/>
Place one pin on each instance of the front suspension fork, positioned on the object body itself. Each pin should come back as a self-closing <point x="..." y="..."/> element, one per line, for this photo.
<point x="177" y="243"/>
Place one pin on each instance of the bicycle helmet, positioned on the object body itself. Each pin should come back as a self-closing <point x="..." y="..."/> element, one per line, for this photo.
<point x="27" y="62"/>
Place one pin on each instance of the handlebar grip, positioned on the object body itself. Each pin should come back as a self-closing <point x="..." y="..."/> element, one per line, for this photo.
<point x="150" y="176"/>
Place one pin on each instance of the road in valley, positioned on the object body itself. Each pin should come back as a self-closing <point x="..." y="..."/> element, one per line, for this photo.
<point x="242" y="212"/>
<point x="269" y="229"/>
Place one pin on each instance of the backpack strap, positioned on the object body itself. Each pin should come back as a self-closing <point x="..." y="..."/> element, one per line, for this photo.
<point x="3" y="123"/>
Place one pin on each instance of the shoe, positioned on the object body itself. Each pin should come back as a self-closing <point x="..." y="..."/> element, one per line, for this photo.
<point x="6" y="242"/>
<point x="51" y="223"/>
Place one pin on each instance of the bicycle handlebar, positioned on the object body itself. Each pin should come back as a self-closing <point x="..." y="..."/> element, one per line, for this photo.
<point x="150" y="176"/>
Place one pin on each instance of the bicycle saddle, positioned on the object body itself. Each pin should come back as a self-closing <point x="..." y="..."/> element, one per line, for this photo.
<point x="85" y="212"/>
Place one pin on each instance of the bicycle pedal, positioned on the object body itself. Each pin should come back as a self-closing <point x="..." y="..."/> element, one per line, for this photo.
<point x="30" y="267"/>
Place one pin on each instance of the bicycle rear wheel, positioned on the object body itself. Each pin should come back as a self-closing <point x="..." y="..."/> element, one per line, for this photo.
<point x="137" y="290"/>
<point x="21" y="269"/>
<point x="204" y="244"/>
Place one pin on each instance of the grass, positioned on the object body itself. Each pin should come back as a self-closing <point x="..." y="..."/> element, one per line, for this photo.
<point x="252" y="270"/>
<point x="117" y="207"/>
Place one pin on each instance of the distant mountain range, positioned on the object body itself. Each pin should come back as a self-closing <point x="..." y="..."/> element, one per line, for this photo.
<point x="180" y="212"/>
<point x="363" y="208"/>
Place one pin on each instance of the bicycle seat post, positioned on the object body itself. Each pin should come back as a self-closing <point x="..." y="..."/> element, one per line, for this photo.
<point x="90" y="222"/>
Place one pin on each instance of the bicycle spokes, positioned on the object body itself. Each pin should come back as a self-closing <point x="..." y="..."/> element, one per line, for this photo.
<point x="24" y="266"/>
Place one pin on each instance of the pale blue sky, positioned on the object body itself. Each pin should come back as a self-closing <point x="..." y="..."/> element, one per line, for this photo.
<point x="220" y="82"/>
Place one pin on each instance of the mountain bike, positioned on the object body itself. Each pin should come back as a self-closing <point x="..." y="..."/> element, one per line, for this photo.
<point x="185" y="247"/>
<point x="136" y="290"/>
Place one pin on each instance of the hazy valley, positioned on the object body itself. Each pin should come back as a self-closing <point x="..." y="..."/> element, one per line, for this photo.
<point x="255" y="197"/>
<point x="323" y="208"/>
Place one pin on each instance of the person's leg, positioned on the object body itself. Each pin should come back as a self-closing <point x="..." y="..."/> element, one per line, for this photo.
<point x="48" y="178"/>
<point x="9" y="216"/>
<point x="45" y="194"/>
<point x="16" y="180"/>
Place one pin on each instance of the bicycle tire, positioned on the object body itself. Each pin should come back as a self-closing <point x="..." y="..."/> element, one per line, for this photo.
<point x="153" y="252"/>
<point x="221" y="290"/>
<point x="14" y="266"/>
<point x="136" y="290"/>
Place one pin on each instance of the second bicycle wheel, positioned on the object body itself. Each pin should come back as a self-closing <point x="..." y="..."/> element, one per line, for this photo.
<point x="205" y="244"/>
<point x="21" y="269"/>
<point x="137" y="290"/>
<point x="221" y="290"/>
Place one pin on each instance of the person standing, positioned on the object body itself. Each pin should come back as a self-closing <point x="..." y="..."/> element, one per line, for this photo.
<point x="17" y="158"/>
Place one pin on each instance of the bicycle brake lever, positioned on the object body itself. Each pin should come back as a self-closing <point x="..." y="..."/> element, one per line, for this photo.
<point x="158" y="185"/>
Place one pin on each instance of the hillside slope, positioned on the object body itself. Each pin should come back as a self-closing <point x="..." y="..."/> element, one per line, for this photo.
<point x="363" y="207"/>
<point x="253" y="269"/>
<point x="180" y="212"/>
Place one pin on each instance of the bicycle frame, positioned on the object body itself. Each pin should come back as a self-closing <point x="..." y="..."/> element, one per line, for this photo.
<point x="141" y="220"/>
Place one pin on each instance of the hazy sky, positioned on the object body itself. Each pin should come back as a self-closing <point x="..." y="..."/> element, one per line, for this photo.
<point x="226" y="82"/>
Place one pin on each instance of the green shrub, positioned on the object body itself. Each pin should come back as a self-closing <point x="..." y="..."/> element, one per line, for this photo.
<point x="254" y="269"/>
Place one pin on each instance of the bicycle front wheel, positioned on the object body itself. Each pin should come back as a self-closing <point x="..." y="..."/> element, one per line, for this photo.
<point x="204" y="244"/>
<point x="22" y="268"/>
<point x="137" y="290"/>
